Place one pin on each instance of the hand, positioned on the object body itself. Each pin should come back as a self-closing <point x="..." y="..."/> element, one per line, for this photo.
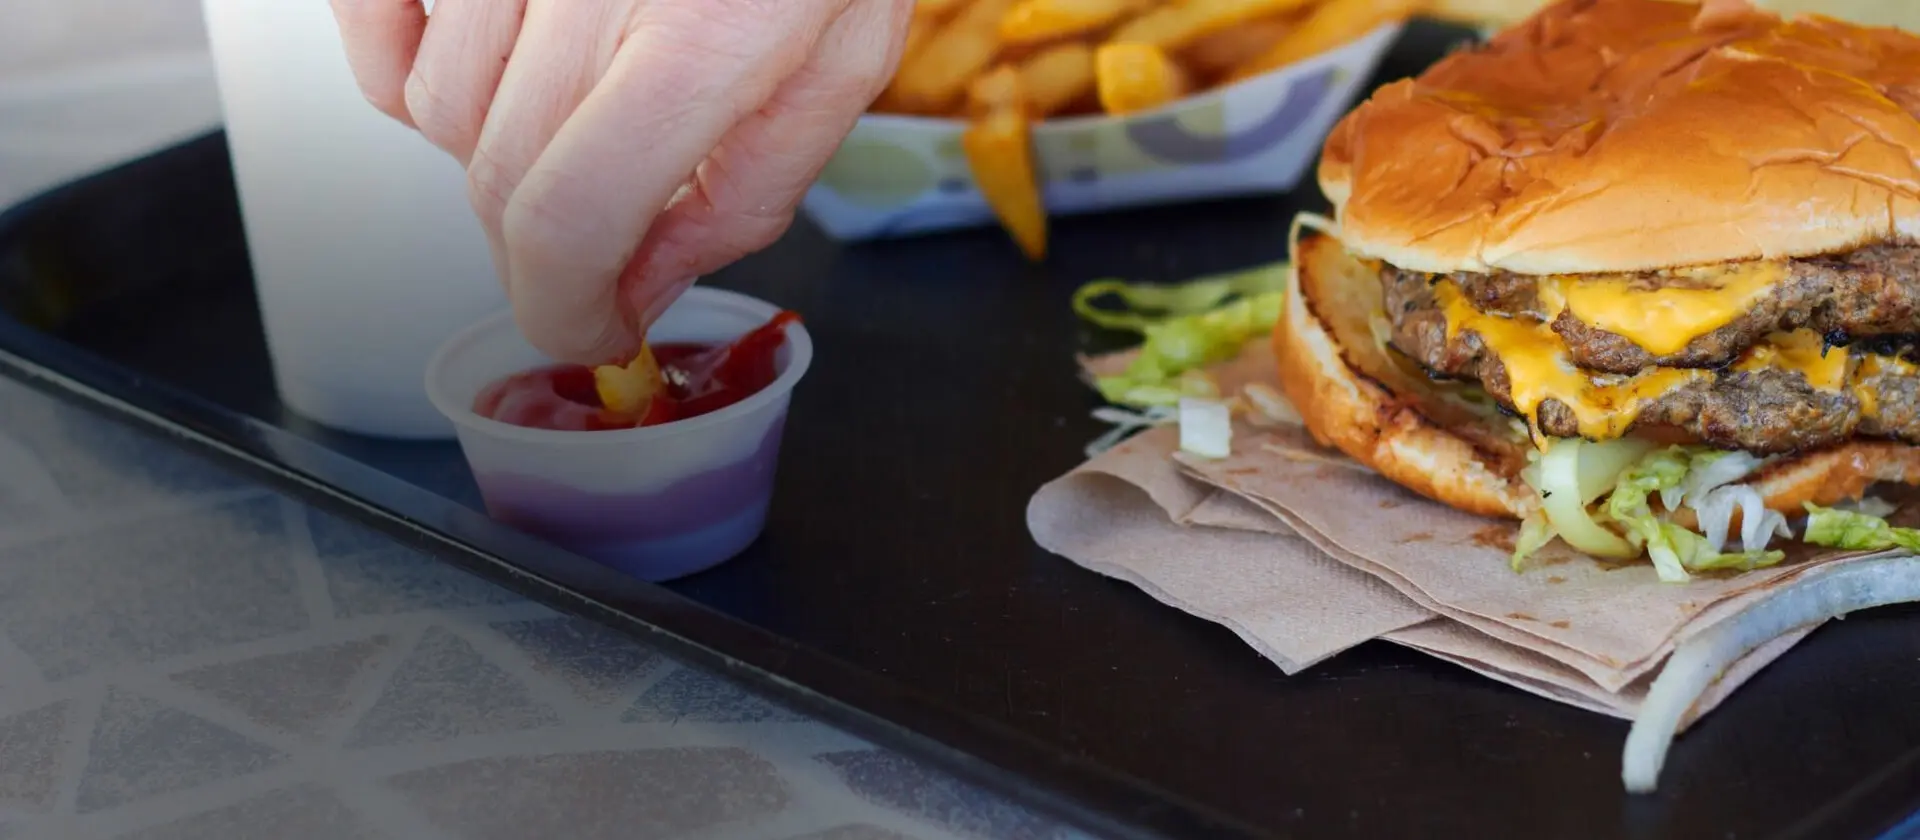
<point x="618" y="149"/>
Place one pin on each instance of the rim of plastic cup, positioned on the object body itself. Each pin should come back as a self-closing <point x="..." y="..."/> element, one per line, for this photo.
<point x="462" y="413"/>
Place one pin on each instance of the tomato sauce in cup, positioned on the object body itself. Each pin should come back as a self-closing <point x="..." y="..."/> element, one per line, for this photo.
<point x="700" y="379"/>
<point x="659" y="468"/>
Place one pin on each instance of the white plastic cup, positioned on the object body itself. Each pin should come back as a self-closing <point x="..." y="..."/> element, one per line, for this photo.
<point x="366" y="254"/>
<point x="657" y="502"/>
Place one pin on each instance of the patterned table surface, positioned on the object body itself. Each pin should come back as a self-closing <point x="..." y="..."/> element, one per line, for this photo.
<point x="186" y="654"/>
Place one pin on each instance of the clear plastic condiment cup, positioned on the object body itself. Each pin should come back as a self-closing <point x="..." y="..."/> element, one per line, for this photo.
<point x="657" y="502"/>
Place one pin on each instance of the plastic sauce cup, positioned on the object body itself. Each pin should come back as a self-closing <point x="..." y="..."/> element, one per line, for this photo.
<point x="656" y="502"/>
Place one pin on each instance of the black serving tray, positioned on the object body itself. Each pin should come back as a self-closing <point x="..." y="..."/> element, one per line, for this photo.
<point x="897" y="592"/>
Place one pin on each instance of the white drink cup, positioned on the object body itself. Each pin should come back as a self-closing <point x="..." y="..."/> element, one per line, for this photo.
<point x="365" y="253"/>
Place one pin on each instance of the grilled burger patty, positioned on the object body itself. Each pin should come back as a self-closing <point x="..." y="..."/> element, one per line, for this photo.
<point x="1758" y="411"/>
<point x="1873" y="291"/>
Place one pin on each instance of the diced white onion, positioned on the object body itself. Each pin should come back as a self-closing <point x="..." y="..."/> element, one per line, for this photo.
<point x="1272" y="405"/>
<point x="1206" y="428"/>
<point x="1819" y="595"/>
<point x="1758" y="525"/>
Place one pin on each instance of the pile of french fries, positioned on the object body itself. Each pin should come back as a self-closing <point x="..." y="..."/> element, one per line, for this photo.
<point x="1005" y="64"/>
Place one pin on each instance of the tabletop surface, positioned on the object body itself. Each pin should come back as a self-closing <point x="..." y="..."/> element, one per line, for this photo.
<point x="185" y="654"/>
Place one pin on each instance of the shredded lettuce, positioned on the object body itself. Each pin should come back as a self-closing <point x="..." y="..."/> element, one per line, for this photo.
<point x="1628" y="506"/>
<point x="1186" y="327"/>
<point x="1671" y="473"/>
<point x="1674" y="550"/>
<point x="1855" y="531"/>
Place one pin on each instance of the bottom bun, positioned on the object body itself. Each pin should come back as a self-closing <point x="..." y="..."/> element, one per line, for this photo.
<point x="1443" y="441"/>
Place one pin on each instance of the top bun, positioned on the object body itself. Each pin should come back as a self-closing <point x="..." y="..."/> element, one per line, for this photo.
<point x="1625" y="135"/>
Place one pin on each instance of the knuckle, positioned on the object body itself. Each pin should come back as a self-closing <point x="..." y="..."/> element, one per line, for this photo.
<point x="764" y="230"/>
<point x="489" y="185"/>
<point x="550" y="220"/>
<point x="442" y="123"/>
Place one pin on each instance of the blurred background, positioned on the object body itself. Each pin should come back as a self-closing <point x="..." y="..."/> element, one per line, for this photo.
<point x="85" y="84"/>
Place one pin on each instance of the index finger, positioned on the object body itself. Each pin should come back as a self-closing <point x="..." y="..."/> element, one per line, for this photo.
<point x="381" y="38"/>
<point x="687" y="73"/>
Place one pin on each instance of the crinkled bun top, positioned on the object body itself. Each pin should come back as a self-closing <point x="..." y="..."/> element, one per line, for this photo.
<point x="1626" y="135"/>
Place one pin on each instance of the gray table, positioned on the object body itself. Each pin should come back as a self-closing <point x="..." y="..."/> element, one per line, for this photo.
<point x="187" y="654"/>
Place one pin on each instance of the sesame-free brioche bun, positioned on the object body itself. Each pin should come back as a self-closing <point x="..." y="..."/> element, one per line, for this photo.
<point x="1357" y="396"/>
<point x="1625" y="135"/>
<point x="1901" y="13"/>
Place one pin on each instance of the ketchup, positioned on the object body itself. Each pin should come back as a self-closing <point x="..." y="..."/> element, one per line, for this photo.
<point x="700" y="379"/>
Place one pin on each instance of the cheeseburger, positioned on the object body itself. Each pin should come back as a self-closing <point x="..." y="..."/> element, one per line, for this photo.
<point x="1641" y="275"/>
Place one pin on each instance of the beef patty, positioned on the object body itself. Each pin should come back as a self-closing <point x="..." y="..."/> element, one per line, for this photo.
<point x="1870" y="292"/>
<point x="1759" y="411"/>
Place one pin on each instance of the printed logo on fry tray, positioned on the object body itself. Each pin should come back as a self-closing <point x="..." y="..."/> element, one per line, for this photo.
<point x="894" y="167"/>
<point x="878" y="172"/>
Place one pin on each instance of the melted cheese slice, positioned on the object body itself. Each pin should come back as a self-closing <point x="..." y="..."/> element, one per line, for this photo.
<point x="1539" y="369"/>
<point x="1805" y="351"/>
<point x="1870" y="368"/>
<point x="1663" y="321"/>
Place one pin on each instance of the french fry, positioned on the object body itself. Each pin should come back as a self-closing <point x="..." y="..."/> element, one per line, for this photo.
<point x="934" y="79"/>
<point x="629" y="389"/>
<point x="1004" y="65"/>
<point x="1057" y="77"/>
<point x="999" y="149"/>
<point x="1135" y="77"/>
<point x="1332" y="24"/>
<point x="1222" y="52"/>
<point x="1175" y="26"/>
<point x="1035" y="21"/>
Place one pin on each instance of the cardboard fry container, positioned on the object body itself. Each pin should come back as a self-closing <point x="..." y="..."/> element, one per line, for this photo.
<point x="901" y="175"/>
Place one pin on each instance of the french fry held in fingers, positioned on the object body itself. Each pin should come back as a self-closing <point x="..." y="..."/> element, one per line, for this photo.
<point x="1137" y="77"/>
<point x="1174" y="25"/>
<point x="629" y="390"/>
<point x="1333" y="23"/>
<point x="999" y="149"/>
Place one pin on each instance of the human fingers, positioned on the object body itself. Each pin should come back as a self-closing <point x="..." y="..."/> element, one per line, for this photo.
<point x="562" y="48"/>
<point x="381" y="38"/>
<point x="688" y="71"/>
<point x="744" y="194"/>
<point x="458" y="68"/>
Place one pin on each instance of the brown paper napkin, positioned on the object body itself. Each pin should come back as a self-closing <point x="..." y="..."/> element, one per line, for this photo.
<point x="1303" y="553"/>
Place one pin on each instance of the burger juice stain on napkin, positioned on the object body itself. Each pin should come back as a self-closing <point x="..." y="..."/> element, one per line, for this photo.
<point x="1320" y="555"/>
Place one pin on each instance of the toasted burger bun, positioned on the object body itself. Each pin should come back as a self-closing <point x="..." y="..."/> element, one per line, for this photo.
<point x="1352" y="396"/>
<point x="1729" y="134"/>
<point x="1901" y="13"/>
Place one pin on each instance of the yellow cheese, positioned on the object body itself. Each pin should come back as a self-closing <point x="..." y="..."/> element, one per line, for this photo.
<point x="1662" y="320"/>
<point x="1870" y="367"/>
<point x="1825" y="368"/>
<point x="1539" y="368"/>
